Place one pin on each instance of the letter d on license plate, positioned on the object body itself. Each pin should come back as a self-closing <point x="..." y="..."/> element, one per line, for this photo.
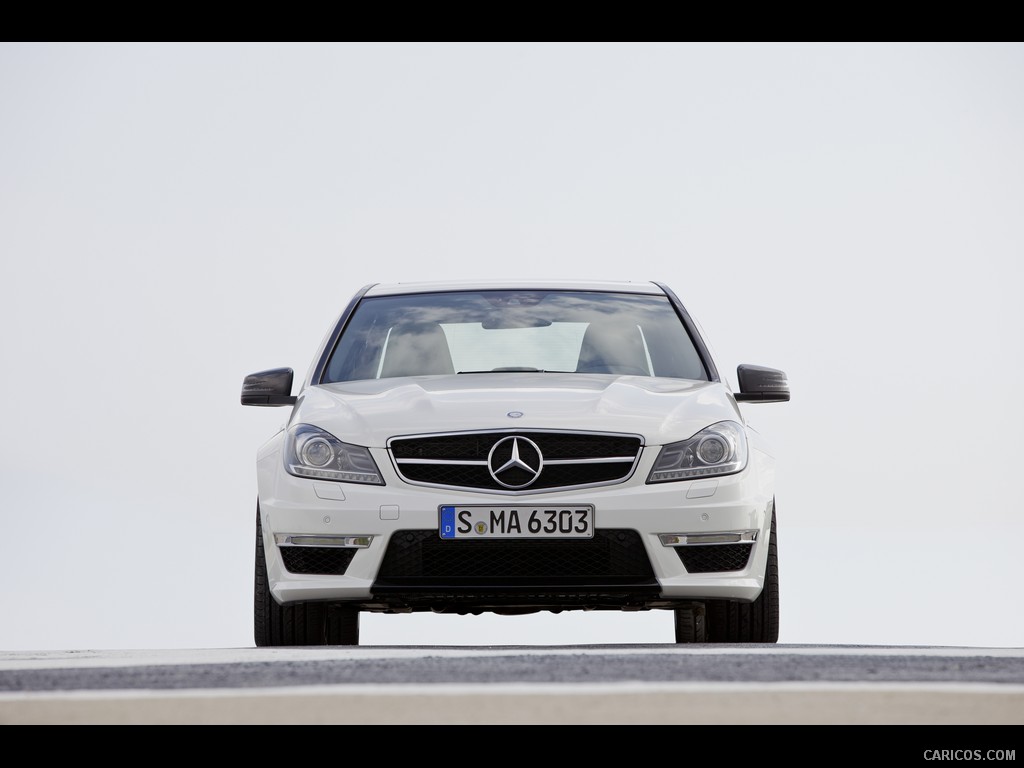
<point x="478" y="521"/>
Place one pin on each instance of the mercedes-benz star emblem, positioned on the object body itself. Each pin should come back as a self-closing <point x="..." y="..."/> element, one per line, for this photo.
<point x="515" y="462"/>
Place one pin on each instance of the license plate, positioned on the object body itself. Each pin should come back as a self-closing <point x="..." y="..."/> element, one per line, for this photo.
<point x="477" y="521"/>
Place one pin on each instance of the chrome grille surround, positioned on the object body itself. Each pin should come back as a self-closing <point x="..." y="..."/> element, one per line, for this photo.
<point x="568" y="459"/>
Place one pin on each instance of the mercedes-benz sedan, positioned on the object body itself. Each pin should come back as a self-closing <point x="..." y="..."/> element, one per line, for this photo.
<point x="511" y="448"/>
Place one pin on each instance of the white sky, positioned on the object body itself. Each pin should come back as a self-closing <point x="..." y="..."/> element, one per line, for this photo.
<point x="175" y="216"/>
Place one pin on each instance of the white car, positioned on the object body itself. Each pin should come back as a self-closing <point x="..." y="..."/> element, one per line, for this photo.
<point x="511" y="448"/>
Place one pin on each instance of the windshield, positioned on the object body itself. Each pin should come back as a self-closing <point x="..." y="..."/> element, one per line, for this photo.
<point x="468" y="332"/>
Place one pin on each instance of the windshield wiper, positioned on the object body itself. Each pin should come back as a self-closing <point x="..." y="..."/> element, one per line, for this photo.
<point x="511" y="369"/>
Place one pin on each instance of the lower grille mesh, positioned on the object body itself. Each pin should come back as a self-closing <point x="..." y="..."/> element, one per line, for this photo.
<point x="712" y="558"/>
<point x="422" y="558"/>
<point x="331" y="561"/>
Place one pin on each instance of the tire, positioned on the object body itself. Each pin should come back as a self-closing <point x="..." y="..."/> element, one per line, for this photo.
<point x="296" y="623"/>
<point x="691" y="626"/>
<point x="756" y="622"/>
<point x="342" y="625"/>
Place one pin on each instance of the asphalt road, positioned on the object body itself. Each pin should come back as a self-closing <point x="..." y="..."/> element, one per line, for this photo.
<point x="505" y="685"/>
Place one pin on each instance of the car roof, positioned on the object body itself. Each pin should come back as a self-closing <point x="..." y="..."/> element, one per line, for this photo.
<point x="621" y="286"/>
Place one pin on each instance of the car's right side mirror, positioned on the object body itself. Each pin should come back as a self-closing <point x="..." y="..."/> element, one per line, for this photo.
<point x="761" y="385"/>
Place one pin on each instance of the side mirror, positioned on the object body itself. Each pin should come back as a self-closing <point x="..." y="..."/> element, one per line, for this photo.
<point x="269" y="388"/>
<point x="761" y="385"/>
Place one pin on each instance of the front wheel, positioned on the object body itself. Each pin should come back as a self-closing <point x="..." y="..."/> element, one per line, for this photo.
<point x="756" y="622"/>
<point x="296" y="623"/>
<point x="691" y="626"/>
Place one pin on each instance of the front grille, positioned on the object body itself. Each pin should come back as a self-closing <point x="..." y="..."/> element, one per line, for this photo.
<point x="711" y="558"/>
<point x="331" y="561"/>
<point x="568" y="460"/>
<point x="422" y="559"/>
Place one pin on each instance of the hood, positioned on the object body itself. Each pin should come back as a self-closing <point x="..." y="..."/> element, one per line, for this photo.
<point x="370" y="412"/>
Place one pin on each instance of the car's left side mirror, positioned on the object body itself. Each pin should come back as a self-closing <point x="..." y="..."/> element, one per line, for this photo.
<point x="273" y="387"/>
<point x="762" y="385"/>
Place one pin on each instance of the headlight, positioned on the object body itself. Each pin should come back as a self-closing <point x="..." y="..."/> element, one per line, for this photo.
<point x="721" y="449"/>
<point x="311" y="452"/>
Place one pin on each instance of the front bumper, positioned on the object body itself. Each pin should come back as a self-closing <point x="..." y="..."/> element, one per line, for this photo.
<point x="378" y="547"/>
